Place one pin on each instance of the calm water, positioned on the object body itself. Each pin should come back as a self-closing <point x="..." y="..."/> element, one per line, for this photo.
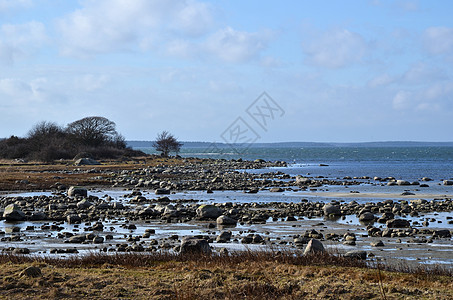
<point x="409" y="163"/>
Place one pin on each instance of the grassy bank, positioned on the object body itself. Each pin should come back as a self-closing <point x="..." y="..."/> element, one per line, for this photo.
<point x="250" y="275"/>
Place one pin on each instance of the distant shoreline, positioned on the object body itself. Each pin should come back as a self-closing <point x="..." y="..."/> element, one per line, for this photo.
<point x="148" y="144"/>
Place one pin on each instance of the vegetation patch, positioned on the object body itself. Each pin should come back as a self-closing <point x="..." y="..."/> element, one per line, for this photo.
<point x="251" y="275"/>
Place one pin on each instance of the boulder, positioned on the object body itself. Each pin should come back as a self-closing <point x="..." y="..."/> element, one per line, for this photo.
<point x="314" y="246"/>
<point x="38" y="216"/>
<point x="398" y="223"/>
<point x="147" y="211"/>
<point x="21" y="251"/>
<point x="357" y="254"/>
<point x="208" y="211"/>
<point x="403" y="182"/>
<point x="300" y="242"/>
<point x="86" y="162"/>
<point x="442" y="233"/>
<point x="331" y="209"/>
<point x="366" y="216"/>
<point x="77" y="191"/>
<point x="73" y="219"/>
<point x="77" y="239"/>
<point x="276" y="190"/>
<point x="224" y="237"/>
<point x="192" y="245"/>
<point x="162" y="192"/>
<point x="31" y="272"/>
<point x="377" y="244"/>
<point x="98" y="240"/>
<point x="448" y="182"/>
<point x="12" y="213"/>
<point x="225" y="220"/>
<point x="302" y="180"/>
<point x="84" y="204"/>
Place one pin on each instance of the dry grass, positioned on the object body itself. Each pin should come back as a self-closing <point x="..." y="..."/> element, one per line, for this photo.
<point x="246" y="275"/>
<point x="44" y="176"/>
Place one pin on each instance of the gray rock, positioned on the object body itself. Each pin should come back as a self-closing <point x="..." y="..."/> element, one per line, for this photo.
<point x="117" y="205"/>
<point x="398" y="223"/>
<point x="366" y="216"/>
<point x="86" y="162"/>
<point x="442" y="233"/>
<point x="224" y="237"/>
<point x="98" y="240"/>
<point x="12" y="229"/>
<point x="73" y="219"/>
<point x="21" y="251"/>
<point x="276" y="190"/>
<point x="403" y="182"/>
<point x="302" y="180"/>
<point x="331" y="209"/>
<point x="162" y="192"/>
<point x="314" y="246"/>
<point x="31" y="272"/>
<point x="192" y="245"/>
<point x="38" y="216"/>
<point x="147" y="211"/>
<point x="77" y="191"/>
<point x="257" y="239"/>
<point x="358" y="254"/>
<point x="84" y="204"/>
<point x="225" y="220"/>
<point x="208" y="211"/>
<point x="77" y="239"/>
<point x="377" y="244"/>
<point x="13" y="213"/>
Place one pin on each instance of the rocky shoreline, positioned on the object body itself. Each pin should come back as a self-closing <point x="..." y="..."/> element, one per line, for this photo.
<point x="147" y="216"/>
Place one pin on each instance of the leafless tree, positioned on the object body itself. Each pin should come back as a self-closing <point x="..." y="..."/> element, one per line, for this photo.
<point x="93" y="131"/>
<point x="166" y="143"/>
<point x="44" y="130"/>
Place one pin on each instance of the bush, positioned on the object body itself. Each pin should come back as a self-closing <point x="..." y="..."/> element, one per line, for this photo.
<point x="47" y="141"/>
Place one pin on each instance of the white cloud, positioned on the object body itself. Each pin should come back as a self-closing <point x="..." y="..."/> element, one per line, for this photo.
<point x="381" y="80"/>
<point x="6" y="5"/>
<point x="421" y="73"/>
<point x="237" y="46"/>
<point x="194" y="18"/>
<point x="25" y="93"/>
<point x="271" y="62"/>
<point x="434" y="97"/>
<point x="15" y="87"/>
<point x="91" y="82"/>
<point x="438" y="40"/>
<point x="118" y="25"/>
<point x="402" y="100"/>
<point x="336" y="48"/>
<point x="181" y="48"/>
<point x="17" y="41"/>
<point x="408" y="5"/>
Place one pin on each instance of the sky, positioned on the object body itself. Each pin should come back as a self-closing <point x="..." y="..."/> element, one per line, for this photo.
<point x="231" y="70"/>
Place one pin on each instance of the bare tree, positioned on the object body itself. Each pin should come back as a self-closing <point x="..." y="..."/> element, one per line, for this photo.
<point x="166" y="143"/>
<point x="93" y="131"/>
<point x="45" y="130"/>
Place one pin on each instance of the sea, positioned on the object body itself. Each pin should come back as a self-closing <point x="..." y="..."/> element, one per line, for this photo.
<point x="410" y="163"/>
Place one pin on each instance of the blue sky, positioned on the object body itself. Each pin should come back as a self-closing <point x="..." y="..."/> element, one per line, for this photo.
<point x="339" y="71"/>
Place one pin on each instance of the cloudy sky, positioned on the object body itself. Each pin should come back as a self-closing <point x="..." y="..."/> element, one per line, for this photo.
<point x="339" y="71"/>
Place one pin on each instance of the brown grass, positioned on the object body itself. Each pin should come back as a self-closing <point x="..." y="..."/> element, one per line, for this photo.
<point x="44" y="176"/>
<point x="245" y="275"/>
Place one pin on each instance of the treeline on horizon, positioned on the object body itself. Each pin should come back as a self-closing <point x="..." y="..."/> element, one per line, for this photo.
<point x="94" y="137"/>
